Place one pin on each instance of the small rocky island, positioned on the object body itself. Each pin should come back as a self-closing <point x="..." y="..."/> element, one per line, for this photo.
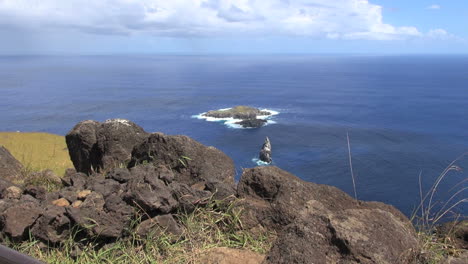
<point x="265" y="152"/>
<point x="249" y="116"/>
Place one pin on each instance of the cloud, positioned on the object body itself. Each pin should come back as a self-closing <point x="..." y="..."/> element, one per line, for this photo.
<point x="442" y="34"/>
<point x="433" y="7"/>
<point x="338" y="19"/>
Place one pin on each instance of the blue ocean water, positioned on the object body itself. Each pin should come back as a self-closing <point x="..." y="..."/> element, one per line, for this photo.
<point x="404" y="114"/>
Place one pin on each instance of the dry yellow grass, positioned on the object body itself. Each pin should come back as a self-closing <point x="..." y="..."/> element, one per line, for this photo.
<point x="38" y="151"/>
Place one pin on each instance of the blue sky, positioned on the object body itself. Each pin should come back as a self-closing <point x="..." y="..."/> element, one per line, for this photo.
<point x="233" y="26"/>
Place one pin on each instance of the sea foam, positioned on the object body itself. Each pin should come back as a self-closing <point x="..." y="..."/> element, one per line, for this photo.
<point x="260" y="162"/>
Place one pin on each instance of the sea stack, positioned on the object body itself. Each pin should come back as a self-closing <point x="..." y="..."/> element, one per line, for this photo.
<point x="265" y="152"/>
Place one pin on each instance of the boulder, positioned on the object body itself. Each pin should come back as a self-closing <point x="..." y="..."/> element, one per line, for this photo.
<point x="102" y="218"/>
<point x="321" y="224"/>
<point x="82" y="146"/>
<point x="53" y="226"/>
<point x="36" y="192"/>
<point x="17" y="218"/>
<point x="265" y="152"/>
<point x="189" y="198"/>
<point x="148" y="193"/>
<point x="12" y="192"/>
<point x="10" y="168"/>
<point x="97" y="147"/>
<point x="189" y="160"/>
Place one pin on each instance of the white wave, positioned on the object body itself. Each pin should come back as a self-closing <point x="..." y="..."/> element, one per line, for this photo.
<point x="231" y="122"/>
<point x="260" y="162"/>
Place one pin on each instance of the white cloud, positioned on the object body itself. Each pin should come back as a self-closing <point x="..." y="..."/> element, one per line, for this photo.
<point x="433" y="7"/>
<point x="337" y="19"/>
<point x="442" y="34"/>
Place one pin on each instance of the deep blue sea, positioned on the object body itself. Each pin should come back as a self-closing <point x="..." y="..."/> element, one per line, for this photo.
<point x="404" y="114"/>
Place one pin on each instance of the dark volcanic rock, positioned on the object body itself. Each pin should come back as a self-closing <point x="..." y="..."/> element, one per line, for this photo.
<point x="82" y="146"/>
<point x="265" y="152"/>
<point x="156" y="225"/>
<point x="17" y="218"/>
<point x="10" y="168"/>
<point x="321" y="224"/>
<point x="53" y="226"/>
<point x="190" y="161"/>
<point x="96" y="147"/>
<point x="102" y="218"/>
<point x="252" y="123"/>
<point x="147" y="192"/>
<point x="189" y="198"/>
<point x="238" y="112"/>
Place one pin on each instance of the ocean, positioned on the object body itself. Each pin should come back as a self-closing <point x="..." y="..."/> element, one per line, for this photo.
<point x="405" y="115"/>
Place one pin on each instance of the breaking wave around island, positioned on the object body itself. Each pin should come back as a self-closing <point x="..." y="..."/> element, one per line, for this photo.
<point x="231" y="122"/>
<point x="260" y="162"/>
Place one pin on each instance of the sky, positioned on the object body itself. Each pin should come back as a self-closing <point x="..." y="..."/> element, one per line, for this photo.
<point x="233" y="27"/>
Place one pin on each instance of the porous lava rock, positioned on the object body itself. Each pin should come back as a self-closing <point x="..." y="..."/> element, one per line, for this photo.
<point x="189" y="160"/>
<point x="97" y="147"/>
<point x="321" y="224"/>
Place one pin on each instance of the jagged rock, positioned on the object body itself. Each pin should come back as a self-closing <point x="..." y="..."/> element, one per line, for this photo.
<point x="323" y="224"/>
<point x="82" y="146"/>
<point x="97" y="147"/>
<point x="265" y="152"/>
<point x="189" y="160"/>
<point x="188" y="197"/>
<point x="100" y="218"/>
<point x="221" y="190"/>
<point x="121" y="175"/>
<point x="17" y="218"/>
<point x="104" y="186"/>
<point x="150" y="194"/>
<point x="37" y="192"/>
<point x="252" y="123"/>
<point x="53" y="226"/>
<point x="161" y="223"/>
<point x="77" y="180"/>
<point x="10" y="168"/>
<point x="68" y="193"/>
<point x="12" y="192"/>
<point x="237" y="112"/>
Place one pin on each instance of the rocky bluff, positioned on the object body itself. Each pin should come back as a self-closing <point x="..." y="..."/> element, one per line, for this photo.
<point x="120" y="170"/>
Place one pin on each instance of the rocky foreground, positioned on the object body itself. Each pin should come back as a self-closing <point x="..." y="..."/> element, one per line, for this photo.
<point x="121" y="171"/>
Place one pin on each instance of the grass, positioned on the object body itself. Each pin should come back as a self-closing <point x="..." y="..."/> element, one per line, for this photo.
<point x="436" y="247"/>
<point x="38" y="151"/>
<point x="217" y="224"/>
